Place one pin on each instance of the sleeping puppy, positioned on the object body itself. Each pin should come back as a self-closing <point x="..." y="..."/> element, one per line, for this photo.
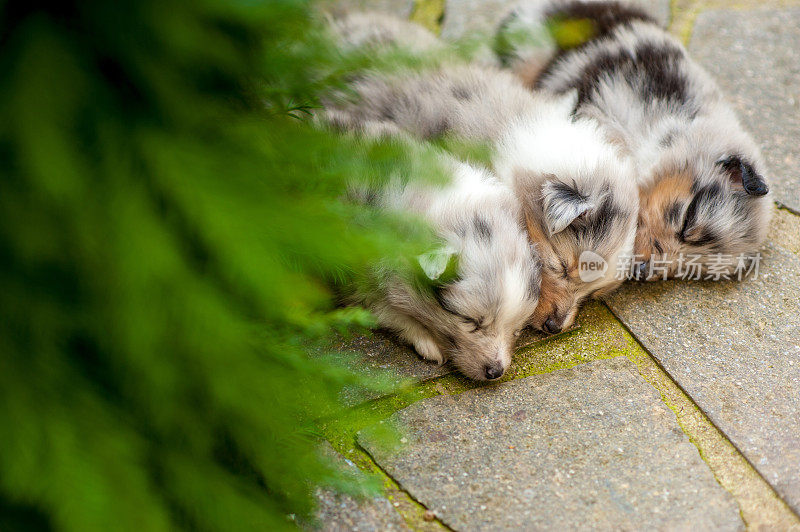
<point x="577" y="193"/>
<point x="479" y="289"/>
<point x="700" y="175"/>
<point x="579" y="202"/>
<point x="472" y="297"/>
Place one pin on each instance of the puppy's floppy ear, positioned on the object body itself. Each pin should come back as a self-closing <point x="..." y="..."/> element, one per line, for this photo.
<point x="562" y="204"/>
<point x="741" y="172"/>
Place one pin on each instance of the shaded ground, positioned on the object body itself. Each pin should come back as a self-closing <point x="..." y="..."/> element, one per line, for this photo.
<point x="672" y="405"/>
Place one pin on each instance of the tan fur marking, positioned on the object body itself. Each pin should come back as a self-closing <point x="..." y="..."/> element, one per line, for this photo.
<point x="654" y="203"/>
<point x="555" y="297"/>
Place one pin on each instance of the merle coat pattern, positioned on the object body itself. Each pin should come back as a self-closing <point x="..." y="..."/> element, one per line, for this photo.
<point x="700" y="175"/>
<point x="473" y="318"/>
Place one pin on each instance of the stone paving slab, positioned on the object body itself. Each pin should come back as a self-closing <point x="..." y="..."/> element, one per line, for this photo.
<point x="735" y="349"/>
<point x="587" y="447"/>
<point x="379" y="353"/>
<point x="340" y="512"/>
<point x="755" y="56"/>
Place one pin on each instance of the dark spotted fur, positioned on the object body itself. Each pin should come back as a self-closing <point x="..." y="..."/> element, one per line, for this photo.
<point x="700" y="175"/>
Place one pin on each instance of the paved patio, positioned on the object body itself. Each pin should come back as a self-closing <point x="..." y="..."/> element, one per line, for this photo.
<point x="672" y="405"/>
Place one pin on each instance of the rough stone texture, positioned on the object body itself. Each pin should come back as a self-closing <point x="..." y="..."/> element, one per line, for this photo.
<point x="530" y="337"/>
<point x="471" y="18"/>
<point x="587" y="447"/>
<point x="755" y="56"/>
<point x="340" y="512"/>
<point x="380" y="353"/>
<point x="735" y="349"/>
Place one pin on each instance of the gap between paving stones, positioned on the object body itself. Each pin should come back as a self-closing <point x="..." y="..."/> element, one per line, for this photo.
<point x="340" y="433"/>
<point x="436" y="523"/>
<point x="407" y="507"/>
<point x="759" y="504"/>
<point x="787" y="208"/>
<point x="784" y="230"/>
<point x="781" y="231"/>
<point x="755" y="491"/>
<point x="612" y="386"/>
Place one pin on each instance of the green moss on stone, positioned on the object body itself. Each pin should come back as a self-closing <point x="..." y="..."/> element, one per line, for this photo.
<point x="342" y="433"/>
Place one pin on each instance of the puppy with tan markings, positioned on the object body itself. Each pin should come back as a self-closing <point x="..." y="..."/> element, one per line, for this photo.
<point x="479" y="289"/>
<point x="580" y="206"/>
<point x="699" y="174"/>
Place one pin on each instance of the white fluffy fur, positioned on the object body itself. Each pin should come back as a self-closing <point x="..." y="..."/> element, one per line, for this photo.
<point x="546" y="157"/>
<point x="473" y="320"/>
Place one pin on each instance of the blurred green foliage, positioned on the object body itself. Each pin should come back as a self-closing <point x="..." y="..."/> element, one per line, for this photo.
<point x="170" y="226"/>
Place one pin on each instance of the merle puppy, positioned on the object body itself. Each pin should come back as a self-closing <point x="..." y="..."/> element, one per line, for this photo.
<point x="479" y="288"/>
<point x="700" y="175"/>
<point x="579" y="202"/>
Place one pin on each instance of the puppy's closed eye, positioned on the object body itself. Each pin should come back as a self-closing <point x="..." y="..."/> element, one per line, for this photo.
<point x="476" y="324"/>
<point x="564" y="270"/>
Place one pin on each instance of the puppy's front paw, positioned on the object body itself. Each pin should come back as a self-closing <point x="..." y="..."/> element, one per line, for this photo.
<point x="428" y="350"/>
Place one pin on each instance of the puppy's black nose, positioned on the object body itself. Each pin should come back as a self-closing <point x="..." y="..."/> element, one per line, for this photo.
<point x="493" y="372"/>
<point x="641" y="271"/>
<point x="551" y="326"/>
